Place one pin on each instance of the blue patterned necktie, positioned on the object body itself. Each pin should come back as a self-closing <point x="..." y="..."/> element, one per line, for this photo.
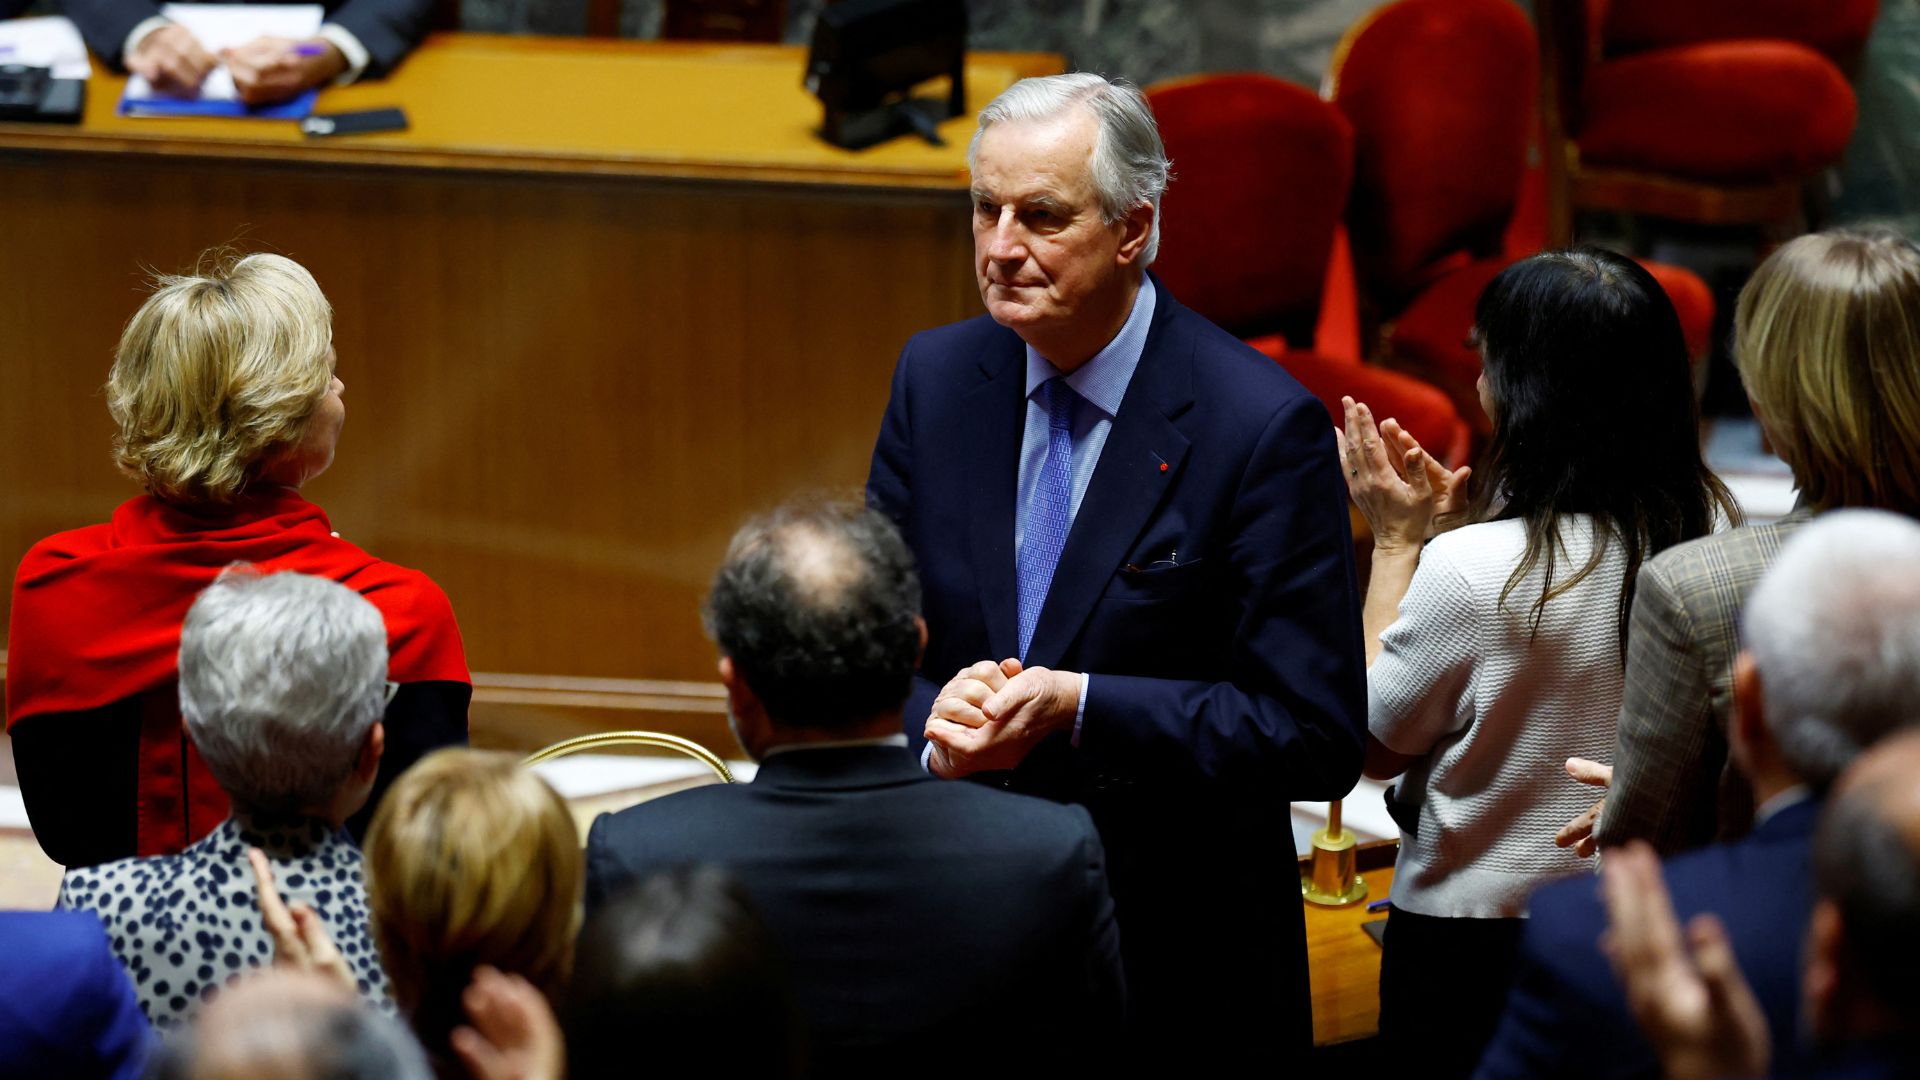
<point x="1050" y="513"/>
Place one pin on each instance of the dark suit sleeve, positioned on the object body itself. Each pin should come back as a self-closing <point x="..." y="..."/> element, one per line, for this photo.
<point x="890" y="491"/>
<point x="1292" y="715"/>
<point x="605" y="878"/>
<point x="1538" y="1029"/>
<point x="388" y="28"/>
<point x="111" y="1021"/>
<point x="105" y="24"/>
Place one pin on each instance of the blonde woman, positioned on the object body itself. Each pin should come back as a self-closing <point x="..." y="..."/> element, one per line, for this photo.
<point x="472" y="862"/>
<point x="226" y="398"/>
<point x="1827" y="335"/>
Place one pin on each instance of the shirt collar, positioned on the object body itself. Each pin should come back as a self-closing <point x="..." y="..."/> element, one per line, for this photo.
<point x="1102" y="381"/>
<point x="899" y="740"/>
<point x="1794" y="795"/>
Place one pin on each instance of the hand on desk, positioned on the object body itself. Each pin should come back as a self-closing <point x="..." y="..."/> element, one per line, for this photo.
<point x="990" y="715"/>
<point x="172" y="60"/>
<point x="270" y="69"/>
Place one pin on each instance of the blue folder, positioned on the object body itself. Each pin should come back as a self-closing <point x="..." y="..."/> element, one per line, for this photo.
<point x="299" y="108"/>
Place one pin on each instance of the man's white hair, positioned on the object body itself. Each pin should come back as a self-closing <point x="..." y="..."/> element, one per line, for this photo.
<point x="1129" y="162"/>
<point x="1834" y="632"/>
<point x="281" y="677"/>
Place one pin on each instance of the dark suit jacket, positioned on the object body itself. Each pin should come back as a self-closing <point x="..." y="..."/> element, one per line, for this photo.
<point x="388" y="28"/>
<point x="1566" y="1015"/>
<point x="1222" y="688"/>
<point x="931" y="927"/>
<point x="66" y="1006"/>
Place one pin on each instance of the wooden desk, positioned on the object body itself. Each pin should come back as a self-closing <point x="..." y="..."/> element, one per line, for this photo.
<point x="603" y="300"/>
<point x="1343" y="966"/>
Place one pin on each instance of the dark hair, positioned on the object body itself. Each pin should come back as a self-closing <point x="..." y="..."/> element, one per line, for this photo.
<point x="1863" y="863"/>
<point x="817" y="605"/>
<point x="677" y="971"/>
<point x="1587" y="369"/>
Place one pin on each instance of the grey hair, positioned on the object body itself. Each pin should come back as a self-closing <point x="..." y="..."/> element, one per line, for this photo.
<point x="1834" y="632"/>
<point x="345" y="1040"/>
<point x="1129" y="161"/>
<point x="281" y="677"/>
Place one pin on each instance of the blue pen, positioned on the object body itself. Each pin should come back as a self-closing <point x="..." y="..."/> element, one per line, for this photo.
<point x="1379" y="905"/>
<point x="309" y="48"/>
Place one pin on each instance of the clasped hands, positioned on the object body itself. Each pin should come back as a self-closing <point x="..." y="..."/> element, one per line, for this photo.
<point x="266" y="69"/>
<point x="990" y="715"/>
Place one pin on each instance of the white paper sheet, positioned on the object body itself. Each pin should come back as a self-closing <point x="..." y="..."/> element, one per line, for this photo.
<point x="224" y="26"/>
<point x="49" y="41"/>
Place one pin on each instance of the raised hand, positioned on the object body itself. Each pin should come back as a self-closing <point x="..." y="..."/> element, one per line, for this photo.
<point x="1393" y="480"/>
<point x="300" y="939"/>
<point x="1689" y="996"/>
<point x="959" y="704"/>
<point x="513" y="1034"/>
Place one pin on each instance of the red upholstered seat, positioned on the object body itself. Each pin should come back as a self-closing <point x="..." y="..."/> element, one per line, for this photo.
<point x="1261" y="171"/>
<point x="1424" y="411"/>
<point x="1838" y="28"/>
<point x="1423" y="259"/>
<point x="1749" y="111"/>
<point x="1440" y="95"/>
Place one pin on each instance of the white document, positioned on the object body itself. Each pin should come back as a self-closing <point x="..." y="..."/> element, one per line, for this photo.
<point x="50" y="41"/>
<point x="225" y="26"/>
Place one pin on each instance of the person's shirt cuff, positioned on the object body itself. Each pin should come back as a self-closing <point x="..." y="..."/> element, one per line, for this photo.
<point x="357" y="56"/>
<point x="1080" y="711"/>
<point x="926" y="755"/>
<point x="139" y="34"/>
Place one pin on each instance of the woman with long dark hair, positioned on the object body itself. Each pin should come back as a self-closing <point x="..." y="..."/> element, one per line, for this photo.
<point x="1495" y="651"/>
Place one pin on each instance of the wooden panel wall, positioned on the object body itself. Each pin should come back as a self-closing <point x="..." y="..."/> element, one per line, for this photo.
<point x="562" y="394"/>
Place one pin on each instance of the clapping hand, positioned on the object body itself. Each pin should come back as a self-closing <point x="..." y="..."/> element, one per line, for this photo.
<point x="300" y="939"/>
<point x="990" y="715"/>
<point x="1396" y="484"/>
<point x="1578" y="833"/>
<point x="1688" y="995"/>
<point x="513" y="1034"/>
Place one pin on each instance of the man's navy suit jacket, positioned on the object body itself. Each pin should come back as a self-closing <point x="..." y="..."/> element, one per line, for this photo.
<point x="1207" y="586"/>
<point x="932" y="928"/>
<point x="1566" y="1015"/>
<point x="66" y="1005"/>
<point x="388" y="28"/>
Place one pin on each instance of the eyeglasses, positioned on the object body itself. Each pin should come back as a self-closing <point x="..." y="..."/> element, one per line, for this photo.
<point x="392" y="689"/>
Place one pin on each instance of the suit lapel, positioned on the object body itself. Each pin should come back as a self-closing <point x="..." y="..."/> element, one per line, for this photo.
<point x="1138" y="466"/>
<point x="996" y="414"/>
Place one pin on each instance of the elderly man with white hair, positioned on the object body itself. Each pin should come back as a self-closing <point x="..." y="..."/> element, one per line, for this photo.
<point x="1830" y="665"/>
<point x="1133" y="538"/>
<point x="282" y="683"/>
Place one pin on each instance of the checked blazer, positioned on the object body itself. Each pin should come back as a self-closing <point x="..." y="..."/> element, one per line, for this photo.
<point x="1673" y="784"/>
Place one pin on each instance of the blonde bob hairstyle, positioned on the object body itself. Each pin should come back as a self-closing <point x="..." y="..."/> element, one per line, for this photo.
<point x="1827" y="335"/>
<point x="217" y="372"/>
<point x="471" y="859"/>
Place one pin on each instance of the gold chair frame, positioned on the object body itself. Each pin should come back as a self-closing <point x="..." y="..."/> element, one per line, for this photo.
<point x="602" y="739"/>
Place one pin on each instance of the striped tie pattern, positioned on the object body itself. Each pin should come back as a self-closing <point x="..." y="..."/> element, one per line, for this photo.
<point x="1050" y="513"/>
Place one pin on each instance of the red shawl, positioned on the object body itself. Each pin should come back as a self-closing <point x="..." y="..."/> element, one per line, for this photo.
<point x="97" y="614"/>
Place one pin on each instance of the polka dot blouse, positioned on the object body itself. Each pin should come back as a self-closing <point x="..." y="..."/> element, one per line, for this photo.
<point x="184" y="925"/>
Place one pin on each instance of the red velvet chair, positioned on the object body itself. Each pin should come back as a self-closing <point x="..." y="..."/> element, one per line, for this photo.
<point x="1444" y="194"/>
<point x="1665" y="109"/>
<point x="1261" y="174"/>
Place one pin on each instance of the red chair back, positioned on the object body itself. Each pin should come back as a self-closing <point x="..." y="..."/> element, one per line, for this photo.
<point x="1441" y="97"/>
<point x="1261" y="170"/>
<point x="1838" y="28"/>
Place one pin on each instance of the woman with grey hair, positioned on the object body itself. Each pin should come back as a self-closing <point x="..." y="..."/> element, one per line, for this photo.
<point x="282" y="681"/>
<point x="226" y="398"/>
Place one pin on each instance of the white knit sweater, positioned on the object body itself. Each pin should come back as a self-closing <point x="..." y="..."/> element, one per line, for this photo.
<point x="1493" y="716"/>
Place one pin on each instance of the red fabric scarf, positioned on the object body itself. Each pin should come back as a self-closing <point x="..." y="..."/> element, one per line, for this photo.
<point x="97" y="614"/>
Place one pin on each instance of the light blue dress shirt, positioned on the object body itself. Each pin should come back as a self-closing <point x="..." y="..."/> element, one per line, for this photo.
<point x="1101" y="383"/>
